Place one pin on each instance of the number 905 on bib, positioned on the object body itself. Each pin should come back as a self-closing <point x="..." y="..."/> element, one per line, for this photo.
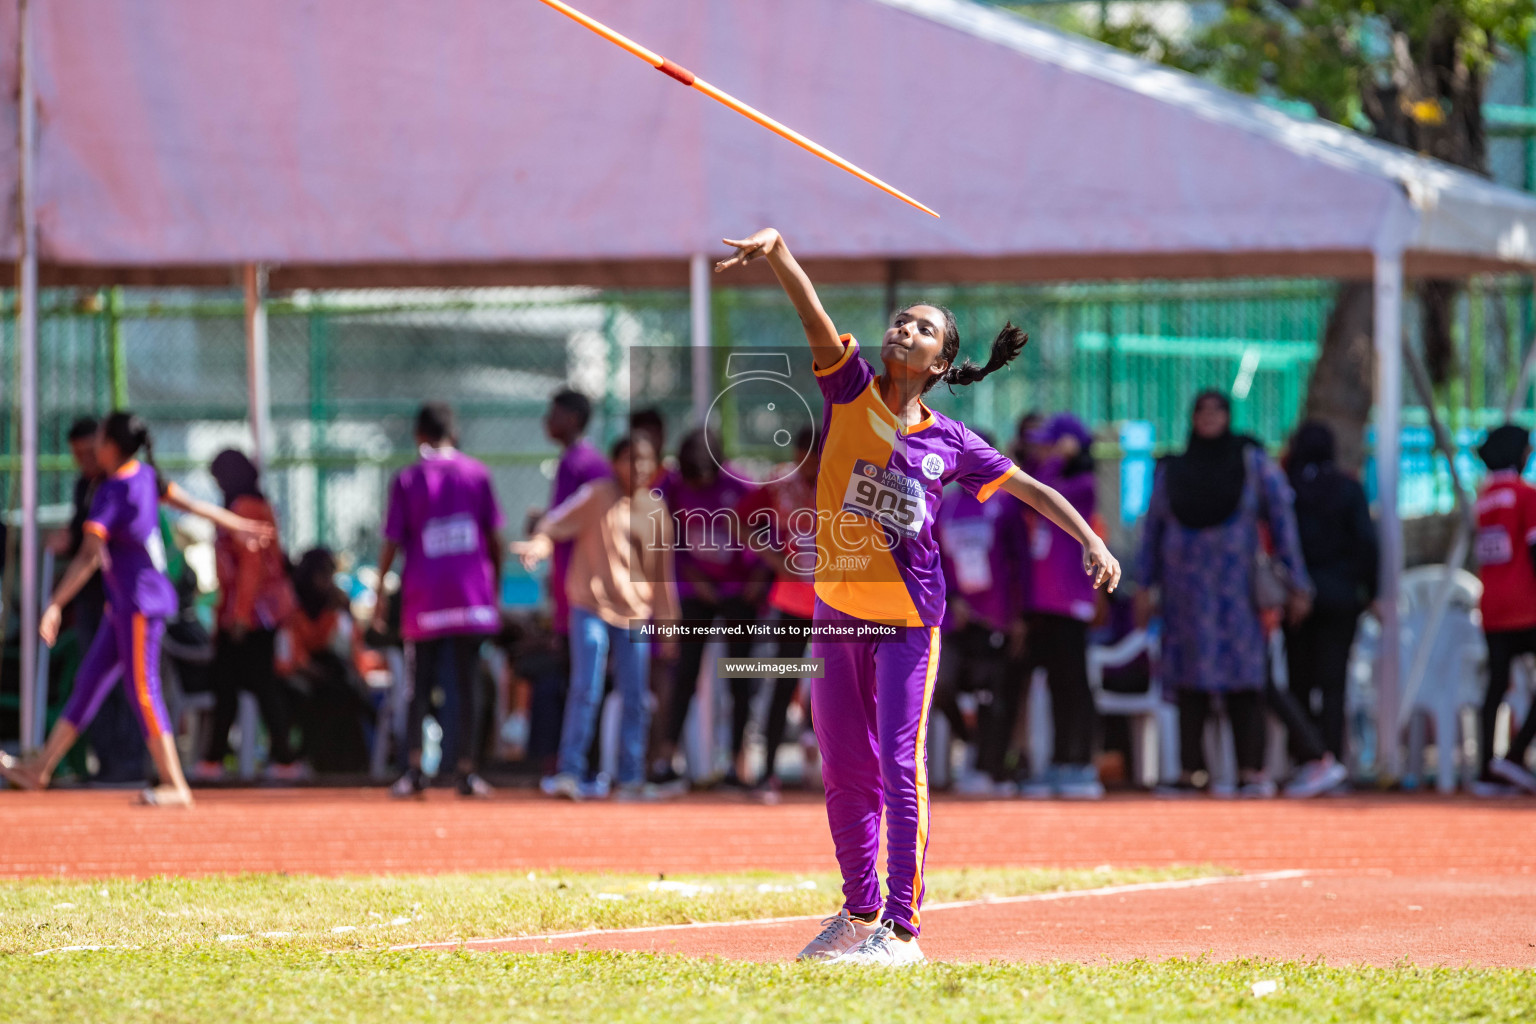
<point x="887" y="497"/>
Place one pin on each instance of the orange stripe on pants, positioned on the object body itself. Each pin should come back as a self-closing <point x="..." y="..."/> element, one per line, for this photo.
<point x="138" y="664"/>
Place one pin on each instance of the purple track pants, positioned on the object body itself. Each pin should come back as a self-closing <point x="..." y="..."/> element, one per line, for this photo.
<point x="870" y="713"/>
<point x="127" y="650"/>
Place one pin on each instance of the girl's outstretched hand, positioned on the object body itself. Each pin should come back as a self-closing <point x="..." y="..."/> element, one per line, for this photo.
<point x="1101" y="565"/>
<point x="748" y="249"/>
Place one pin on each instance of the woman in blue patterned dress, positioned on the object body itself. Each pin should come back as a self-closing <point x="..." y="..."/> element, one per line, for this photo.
<point x="1201" y="536"/>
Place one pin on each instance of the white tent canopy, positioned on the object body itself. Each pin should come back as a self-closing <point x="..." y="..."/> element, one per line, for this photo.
<point x="495" y="142"/>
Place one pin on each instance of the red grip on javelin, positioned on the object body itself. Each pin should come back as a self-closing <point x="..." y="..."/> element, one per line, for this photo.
<point x="676" y="71"/>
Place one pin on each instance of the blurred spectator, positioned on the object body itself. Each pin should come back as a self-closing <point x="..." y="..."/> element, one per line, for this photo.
<point x="1061" y="606"/>
<point x="114" y="733"/>
<point x="1506" y="555"/>
<point x="1338" y="543"/>
<point x="1198" y="552"/>
<point x="650" y="423"/>
<point x="443" y="516"/>
<point x="718" y="578"/>
<point x="621" y="573"/>
<point x="787" y="508"/>
<point x="984" y="556"/>
<point x="565" y="423"/>
<point x="255" y="596"/>
<point x="318" y="652"/>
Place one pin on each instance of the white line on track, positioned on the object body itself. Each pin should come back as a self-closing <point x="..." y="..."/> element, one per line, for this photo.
<point x="991" y="901"/>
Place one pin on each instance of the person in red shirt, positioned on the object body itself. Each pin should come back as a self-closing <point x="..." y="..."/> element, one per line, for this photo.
<point x="1506" y="555"/>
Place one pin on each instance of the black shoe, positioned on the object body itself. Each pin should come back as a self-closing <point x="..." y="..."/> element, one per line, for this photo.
<point x="408" y="786"/>
<point x="666" y="777"/>
<point x="472" y="785"/>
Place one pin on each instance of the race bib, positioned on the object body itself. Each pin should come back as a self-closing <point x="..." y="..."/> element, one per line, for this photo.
<point x="887" y="497"/>
<point x="450" y="535"/>
<point x="969" y="543"/>
<point x="1493" y="546"/>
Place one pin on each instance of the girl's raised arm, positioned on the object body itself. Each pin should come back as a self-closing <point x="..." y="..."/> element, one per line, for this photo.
<point x="826" y="349"/>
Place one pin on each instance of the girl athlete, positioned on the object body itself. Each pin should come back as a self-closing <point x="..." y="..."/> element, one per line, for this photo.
<point x="122" y="538"/>
<point x="885" y="458"/>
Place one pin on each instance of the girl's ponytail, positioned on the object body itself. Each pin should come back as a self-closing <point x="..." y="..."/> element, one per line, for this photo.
<point x="1010" y="341"/>
<point x="128" y="431"/>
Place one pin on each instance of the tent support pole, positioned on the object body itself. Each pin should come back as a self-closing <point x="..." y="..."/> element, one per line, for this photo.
<point x="699" y="319"/>
<point x="26" y="343"/>
<point x="1388" y="330"/>
<point x="258" y="383"/>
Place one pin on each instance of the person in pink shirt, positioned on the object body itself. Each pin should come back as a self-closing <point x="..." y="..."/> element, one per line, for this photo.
<point x="443" y="517"/>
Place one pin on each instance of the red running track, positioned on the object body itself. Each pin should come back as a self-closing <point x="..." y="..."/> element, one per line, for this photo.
<point x="1466" y="866"/>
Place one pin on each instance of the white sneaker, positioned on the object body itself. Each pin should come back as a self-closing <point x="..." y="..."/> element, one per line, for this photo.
<point x="883" y="949"/>
<point x="562" y="785"/>
<point x="839" y="934"/>
<point x="1258" y="789"/>
<point x="1513" y="773"/>
<point x="1316" y="778"/>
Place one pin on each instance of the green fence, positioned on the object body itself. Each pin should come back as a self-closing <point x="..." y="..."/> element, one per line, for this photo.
<point x="348" y="370"/>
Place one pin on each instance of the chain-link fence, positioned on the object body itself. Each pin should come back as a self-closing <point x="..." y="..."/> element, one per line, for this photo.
<point x="348" y="370"/>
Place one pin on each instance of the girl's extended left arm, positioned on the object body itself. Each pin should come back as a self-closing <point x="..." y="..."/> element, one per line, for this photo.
<point x="1097" y="560"/>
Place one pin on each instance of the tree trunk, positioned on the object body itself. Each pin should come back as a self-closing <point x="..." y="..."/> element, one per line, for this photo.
<point x="1340" y="392"/>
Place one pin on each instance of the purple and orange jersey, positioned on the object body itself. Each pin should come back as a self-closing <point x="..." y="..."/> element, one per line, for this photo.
<point x="878" y="493"/>
<point x="126" y="515"/>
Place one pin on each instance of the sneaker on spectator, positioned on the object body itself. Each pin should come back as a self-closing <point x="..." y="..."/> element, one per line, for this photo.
<point x="408" y="786"/>
<point x="1515" y="774"/>
<point x="209" y="771"/>
<point x="839" y="934"/>
<point x="1039" y="787"/>
<point x="667" y="779"/>
<point x="640" y="793"/>
<point x="1183" y="789"/>
<point x="563" y="784"/>
<point x="1492" y="789"/>
<point x="1316" y="778"/>
<point x="296" y="771"/>
<point x="470" y="784"/>
<point x="1078" y="782"/>
<point x="769" y="791"/>
<point x="1258" y="789"/>
<point x="597" y="789"/>
<point x="974" y="784"/>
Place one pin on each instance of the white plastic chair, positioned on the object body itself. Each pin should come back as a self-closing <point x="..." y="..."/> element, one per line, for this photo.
<point x="1154" y="723"/>
<point x="1454" y="679"/>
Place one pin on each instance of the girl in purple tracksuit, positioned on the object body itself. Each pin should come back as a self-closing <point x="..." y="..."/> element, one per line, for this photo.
<point x="885" y="458"/>
<point x="1061" y="605"/>
<point x="122" y="539"/>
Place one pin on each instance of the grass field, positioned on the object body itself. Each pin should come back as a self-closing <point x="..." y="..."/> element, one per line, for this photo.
<point x="277" y="948"/>
<point x="354" y="913"/>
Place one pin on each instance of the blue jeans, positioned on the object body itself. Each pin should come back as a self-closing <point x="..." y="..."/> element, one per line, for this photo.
<point x="591" y="641"/>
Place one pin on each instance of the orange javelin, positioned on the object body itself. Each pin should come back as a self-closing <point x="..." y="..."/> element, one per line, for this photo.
<point x="687" y="77"/>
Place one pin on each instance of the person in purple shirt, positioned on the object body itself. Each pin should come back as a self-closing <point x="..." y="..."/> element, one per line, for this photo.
<point x="443" y="516"/>
<point x="1062" y="603"/>
<point x="580" y="463"/>
<point x="982" y="547"/>
<point x="122" y="540"/>
<point x="718" y="577"/>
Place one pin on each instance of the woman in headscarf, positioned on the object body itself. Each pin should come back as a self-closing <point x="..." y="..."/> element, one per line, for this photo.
<point x="1201" y="539"/>
<point x="255" y="597"/>
<point x="1338" y="541"/>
